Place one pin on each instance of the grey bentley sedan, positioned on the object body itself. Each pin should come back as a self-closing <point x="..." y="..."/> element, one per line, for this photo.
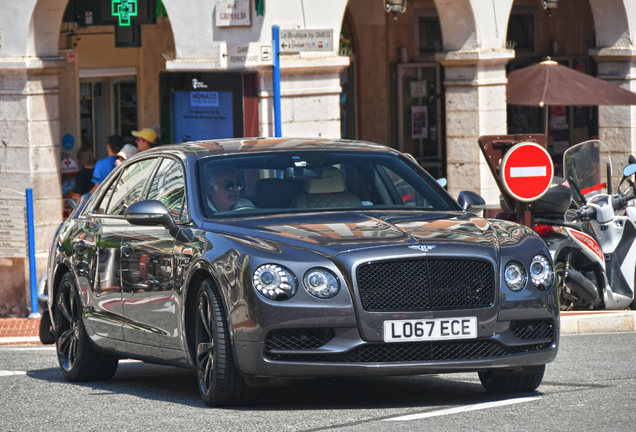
<point x="255" y="261"/>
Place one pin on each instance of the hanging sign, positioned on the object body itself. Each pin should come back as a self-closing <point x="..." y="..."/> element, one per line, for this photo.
<point x="124" y="10"/>
<point x="231" y="13"/>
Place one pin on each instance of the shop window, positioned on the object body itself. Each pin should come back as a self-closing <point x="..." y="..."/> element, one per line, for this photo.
<point x="428" y="33"/>
<point x="521" y="31"/>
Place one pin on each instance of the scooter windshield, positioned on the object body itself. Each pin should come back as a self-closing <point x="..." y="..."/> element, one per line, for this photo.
<point x="587" y="163"/>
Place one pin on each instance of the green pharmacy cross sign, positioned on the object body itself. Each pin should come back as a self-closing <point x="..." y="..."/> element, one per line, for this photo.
<point x="124" y="9"/>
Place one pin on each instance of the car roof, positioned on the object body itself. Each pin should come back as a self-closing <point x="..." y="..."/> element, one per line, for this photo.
<point x="252" y="145"/>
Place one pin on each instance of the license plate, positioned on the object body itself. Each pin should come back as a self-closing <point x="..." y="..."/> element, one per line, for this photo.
<point x="430" y="329"/>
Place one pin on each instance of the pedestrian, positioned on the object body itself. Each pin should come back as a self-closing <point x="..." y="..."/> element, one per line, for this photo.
<point x="146" y="139"/>
<point x="103" y="167"/>
<point x="126" y="152"/>
<point x="83" y="180"/>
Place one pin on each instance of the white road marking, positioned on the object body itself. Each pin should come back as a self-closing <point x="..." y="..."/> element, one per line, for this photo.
<point x="9" y="373"/>
<point x="19" y="339"/>
<point x="536" y="171"/>
<point x="28" y="348"/>
<point x="463" y="409"/>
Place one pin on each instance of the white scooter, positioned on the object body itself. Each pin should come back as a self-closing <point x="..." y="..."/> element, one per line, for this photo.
<point x="611" y="218"/>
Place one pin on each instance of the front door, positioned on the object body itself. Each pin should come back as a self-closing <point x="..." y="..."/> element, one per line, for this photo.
<point x="151" y="299"/>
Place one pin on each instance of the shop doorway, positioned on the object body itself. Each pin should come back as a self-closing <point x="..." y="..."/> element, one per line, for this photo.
<point x="419" y="112"/>
<point x="108" y="105"/>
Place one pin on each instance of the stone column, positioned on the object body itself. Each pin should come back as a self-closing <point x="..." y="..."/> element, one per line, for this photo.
<point x="475" y="83"/>
<point x="617" y="124"/>
<point x="310" y="97"/>
<point x="29" y="155"/>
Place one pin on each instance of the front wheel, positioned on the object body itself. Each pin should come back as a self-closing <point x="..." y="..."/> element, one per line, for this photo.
<point x="220" y="383"/>
<point x="79" y="361"/>
<point x="513" y="382"/>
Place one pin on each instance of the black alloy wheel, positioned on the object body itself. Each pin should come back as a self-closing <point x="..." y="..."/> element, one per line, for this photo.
<point x="79" y="361"/>
<point x="220" y="383"/>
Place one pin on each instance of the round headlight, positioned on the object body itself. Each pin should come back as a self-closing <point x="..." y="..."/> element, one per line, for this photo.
<point x="541" y="272"/>
<point x="321" y="283"/>
<point x="515" y="276"/>
<point x="274" y="282"/>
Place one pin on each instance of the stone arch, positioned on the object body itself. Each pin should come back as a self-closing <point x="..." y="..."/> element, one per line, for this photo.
<point x="44" y="29"/>
<point x="469" y="28"/>
<point x="614" y="22"/>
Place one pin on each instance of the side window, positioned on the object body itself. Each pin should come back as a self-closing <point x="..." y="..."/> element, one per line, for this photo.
<point x="168" y="186"/>
<point x="128" y="188"/>
<point x="407" y="195"/>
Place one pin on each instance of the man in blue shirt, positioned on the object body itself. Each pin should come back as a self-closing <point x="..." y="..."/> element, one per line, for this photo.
<point x="105" y="166"/>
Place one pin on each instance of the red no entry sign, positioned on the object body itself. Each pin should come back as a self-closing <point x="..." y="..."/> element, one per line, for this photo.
<point x="526" y="171"/>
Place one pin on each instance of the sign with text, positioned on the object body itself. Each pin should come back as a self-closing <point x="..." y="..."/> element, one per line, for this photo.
<point x="204" y="99"/>
<point x="246" y="55"/>
<point x="231" y="13"/>
<point x="306" y="40"/>
<point x="13" y="242"/>
<point x="202" y="115"/>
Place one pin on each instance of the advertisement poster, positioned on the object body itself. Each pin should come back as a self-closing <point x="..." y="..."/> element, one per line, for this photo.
<point x="419" y="122"/>
<point x="201" y="115"/>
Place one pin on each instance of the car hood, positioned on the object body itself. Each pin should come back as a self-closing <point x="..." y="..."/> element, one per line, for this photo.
<point x="331" y="233"/>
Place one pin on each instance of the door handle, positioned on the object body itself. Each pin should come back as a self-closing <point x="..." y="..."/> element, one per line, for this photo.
<point x="127" y="250"/>
<point x="80" y="246"/>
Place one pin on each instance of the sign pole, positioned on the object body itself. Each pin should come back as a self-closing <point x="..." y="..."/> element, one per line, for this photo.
<point x="276" y="79"/>
<point x="32" y="274"/>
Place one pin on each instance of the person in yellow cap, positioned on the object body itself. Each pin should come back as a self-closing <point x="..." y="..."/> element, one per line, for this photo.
<point x="146" y="139"/>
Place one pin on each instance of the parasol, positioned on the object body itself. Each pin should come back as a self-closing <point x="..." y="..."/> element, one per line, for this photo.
<point x="549" y="83"/>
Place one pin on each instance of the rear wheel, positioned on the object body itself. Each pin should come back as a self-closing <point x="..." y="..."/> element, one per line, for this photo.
<point x="79" y="361"/>
<point x="220" y="383"/>
<point x="513" y="382"/>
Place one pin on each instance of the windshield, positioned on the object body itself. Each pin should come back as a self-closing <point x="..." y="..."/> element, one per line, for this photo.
<point x="301" y="181"/>
<point x="586" y="163"/>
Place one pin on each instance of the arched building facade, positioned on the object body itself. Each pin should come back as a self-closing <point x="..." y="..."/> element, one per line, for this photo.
<point x="429" y="83"/>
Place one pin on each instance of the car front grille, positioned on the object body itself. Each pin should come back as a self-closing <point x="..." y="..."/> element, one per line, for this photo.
<point x="298" y="339"/>
<point x="413" y="352"/>
<point x="532" y="329"/>
<point x="426" y="284"/>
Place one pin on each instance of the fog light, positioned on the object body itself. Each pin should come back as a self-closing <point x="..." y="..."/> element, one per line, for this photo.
<point x="321" y="283"/>
<point x="541" y="272"/>
<point x="515" y="276"/>
<point x="274" y="282"/>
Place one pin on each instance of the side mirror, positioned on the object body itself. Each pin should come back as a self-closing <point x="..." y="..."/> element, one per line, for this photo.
<point x="149" y="212"/>
<point x="629" y="170"/>
<point x="471" y="202"/>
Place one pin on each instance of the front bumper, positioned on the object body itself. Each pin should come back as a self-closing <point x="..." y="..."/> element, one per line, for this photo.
<point x="330" y="352"/>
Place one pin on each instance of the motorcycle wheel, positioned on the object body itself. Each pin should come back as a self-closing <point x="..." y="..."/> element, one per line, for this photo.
<point x="565" y="300"/>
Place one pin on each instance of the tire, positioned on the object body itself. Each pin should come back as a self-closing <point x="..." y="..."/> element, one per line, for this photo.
<point x="46" y="334"/>
<point x="78" y="360"/>
<point x="512" y="383"/>
<point x="220" y="384"/>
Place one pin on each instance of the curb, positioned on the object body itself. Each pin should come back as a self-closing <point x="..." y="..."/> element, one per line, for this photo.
<point x="598" y="322"/>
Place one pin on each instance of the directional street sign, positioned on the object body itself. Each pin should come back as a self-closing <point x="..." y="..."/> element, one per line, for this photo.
<point x="246" y="55"/>
<point x="306" y="40"/>
<point x="527" y="171"/>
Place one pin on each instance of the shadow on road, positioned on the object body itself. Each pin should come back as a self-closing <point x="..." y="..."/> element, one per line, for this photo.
<point x="169" y="384"/>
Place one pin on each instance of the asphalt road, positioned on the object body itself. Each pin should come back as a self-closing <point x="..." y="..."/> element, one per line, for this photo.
<point x="590" y="387"/>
